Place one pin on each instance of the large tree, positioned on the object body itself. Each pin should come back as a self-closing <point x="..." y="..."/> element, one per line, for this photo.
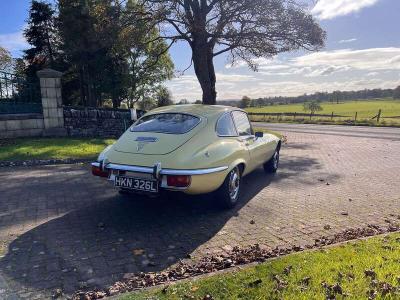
<point x="111" y="56"/>
<point x="84" y="49"/>
<point x="245" y="29"/>
<point x="148" y="61"/>
<point x="41" y="34"/>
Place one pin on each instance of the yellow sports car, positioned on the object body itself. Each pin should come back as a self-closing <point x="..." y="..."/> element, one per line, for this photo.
<point x="194" y="149"/>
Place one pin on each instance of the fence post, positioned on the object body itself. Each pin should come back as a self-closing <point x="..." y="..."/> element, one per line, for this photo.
<point x="332" y="116"/>
<point x="294" y="116"/>
<point x="379" y="115"/>
<point x="53" y="114"/>
<point x="355" y="117"/>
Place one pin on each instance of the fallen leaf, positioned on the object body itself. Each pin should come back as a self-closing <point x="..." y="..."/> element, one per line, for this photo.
<point x="287" y="270"/>
<point x="372" y="294"/>
<point x="385" y="288"/>
<point x="337" y="289"/>
<point x="138" y="252"/>
<point x="370" y="273"/>
<point x="255" y="283"/>
<point x="305" y="281"/>
<point x="57" y="293"/>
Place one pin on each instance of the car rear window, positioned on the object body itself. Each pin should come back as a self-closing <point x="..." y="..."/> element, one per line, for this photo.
<point x="170" y="123"/>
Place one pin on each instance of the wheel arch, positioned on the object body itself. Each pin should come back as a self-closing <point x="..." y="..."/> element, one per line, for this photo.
<point x="240" y="163"/>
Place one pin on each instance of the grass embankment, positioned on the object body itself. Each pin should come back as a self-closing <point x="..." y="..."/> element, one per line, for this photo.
<point x="51" y="148"/>
<point x="357" y="270"/>
<point x="366" y="110"/>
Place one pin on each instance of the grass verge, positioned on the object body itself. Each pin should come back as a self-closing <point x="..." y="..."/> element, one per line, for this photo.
<point x="51" y="148"/>
<point x="367" y="269"/>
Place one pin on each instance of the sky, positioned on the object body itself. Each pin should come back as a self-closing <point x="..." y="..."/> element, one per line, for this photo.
<point x="362" y="51"/>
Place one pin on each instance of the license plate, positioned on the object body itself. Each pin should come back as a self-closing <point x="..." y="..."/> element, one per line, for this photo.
<point x="138" y="184"/>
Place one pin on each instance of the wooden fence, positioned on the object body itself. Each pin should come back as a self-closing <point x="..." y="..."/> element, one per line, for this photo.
<point x="301" y="116"/>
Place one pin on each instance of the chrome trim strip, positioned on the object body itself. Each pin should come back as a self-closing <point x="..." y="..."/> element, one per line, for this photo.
<point x="130" y="168"/>
<point x="193" y="172"/>
<point x="166" y="171"/>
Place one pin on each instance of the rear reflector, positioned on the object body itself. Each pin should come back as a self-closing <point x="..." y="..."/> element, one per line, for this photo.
<point x="178" y="180"/>
<point x="97" y="171"/>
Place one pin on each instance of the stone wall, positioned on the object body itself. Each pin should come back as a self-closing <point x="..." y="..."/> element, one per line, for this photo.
<point x="57" y="120"/>
<point x="21" y="125"/>
<point x="95" y="122"/>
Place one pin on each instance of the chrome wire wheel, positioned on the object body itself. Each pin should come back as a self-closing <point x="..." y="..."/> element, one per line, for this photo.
<point x="234" y="184"/>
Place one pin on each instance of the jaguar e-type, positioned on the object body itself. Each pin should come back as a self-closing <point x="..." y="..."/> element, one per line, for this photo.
<point x="194" y="149"/>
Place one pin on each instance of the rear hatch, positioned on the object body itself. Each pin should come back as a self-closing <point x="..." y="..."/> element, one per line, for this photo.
<point x="159" y="134"/>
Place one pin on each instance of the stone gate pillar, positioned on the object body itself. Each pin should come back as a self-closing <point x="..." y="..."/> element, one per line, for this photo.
<point x="53" y="115"/>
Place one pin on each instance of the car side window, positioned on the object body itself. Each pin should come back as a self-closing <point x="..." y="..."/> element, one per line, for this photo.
<point x="243" y="125"/>
<point x="225" y="126"/>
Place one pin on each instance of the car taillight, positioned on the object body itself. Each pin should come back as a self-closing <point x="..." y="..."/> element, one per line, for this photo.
<point x="178" y="180"/>
<point x="97" y="171"/>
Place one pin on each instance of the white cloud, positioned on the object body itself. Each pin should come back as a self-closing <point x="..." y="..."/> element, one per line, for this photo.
<point x="366" y="59"/>
<point x="347" y="41"/>
<point x="328" y="70"/>
<point x="188" y="87"/>
<point x="345" y="69"/>
<point x="295" y="88"/>
<point x="13" y="42"/>
<point x="329" y="9"/>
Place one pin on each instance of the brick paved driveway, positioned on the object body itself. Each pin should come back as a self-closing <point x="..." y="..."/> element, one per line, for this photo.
<point x="62" y="228"/>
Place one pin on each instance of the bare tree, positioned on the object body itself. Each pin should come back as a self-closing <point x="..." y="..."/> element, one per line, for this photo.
<point x="245" y="29"/>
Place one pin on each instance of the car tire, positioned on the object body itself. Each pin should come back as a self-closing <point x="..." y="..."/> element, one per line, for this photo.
<point x="228" y="194"/>
<point x="272" y="165"/>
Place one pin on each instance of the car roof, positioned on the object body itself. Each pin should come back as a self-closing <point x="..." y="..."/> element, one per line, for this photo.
<point x="195" y="109"/>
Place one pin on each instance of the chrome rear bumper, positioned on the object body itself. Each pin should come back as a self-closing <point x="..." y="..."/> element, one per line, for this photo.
<point x="148" y="170"/>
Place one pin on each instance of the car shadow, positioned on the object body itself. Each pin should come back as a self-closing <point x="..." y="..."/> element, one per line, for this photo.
<point x="96" y="245"/>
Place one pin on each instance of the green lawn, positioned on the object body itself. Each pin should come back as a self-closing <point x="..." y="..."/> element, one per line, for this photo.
<point x="366" y="109"/>
<point x="51" y="148"/>
<point x="355" y="270"/>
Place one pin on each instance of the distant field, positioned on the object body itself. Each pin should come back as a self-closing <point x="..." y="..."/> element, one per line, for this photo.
<point x="366" y="109"/>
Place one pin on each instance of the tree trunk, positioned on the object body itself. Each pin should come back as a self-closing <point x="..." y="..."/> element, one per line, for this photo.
<point x="204" y="69"/>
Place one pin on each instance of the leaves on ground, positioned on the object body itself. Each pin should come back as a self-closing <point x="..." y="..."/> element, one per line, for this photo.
<point x="256" y="253"/>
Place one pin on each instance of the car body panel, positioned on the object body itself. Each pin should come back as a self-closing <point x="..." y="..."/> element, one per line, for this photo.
<point x="199" y="149"/>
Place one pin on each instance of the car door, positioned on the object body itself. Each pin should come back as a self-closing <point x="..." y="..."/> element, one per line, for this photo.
<point x="257" y="147"/>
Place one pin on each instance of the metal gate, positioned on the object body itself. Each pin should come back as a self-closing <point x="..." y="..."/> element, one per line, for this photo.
<point x="17" y="96"/>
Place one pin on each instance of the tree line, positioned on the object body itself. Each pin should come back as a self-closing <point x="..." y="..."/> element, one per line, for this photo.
<point x="333" y="97"/>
